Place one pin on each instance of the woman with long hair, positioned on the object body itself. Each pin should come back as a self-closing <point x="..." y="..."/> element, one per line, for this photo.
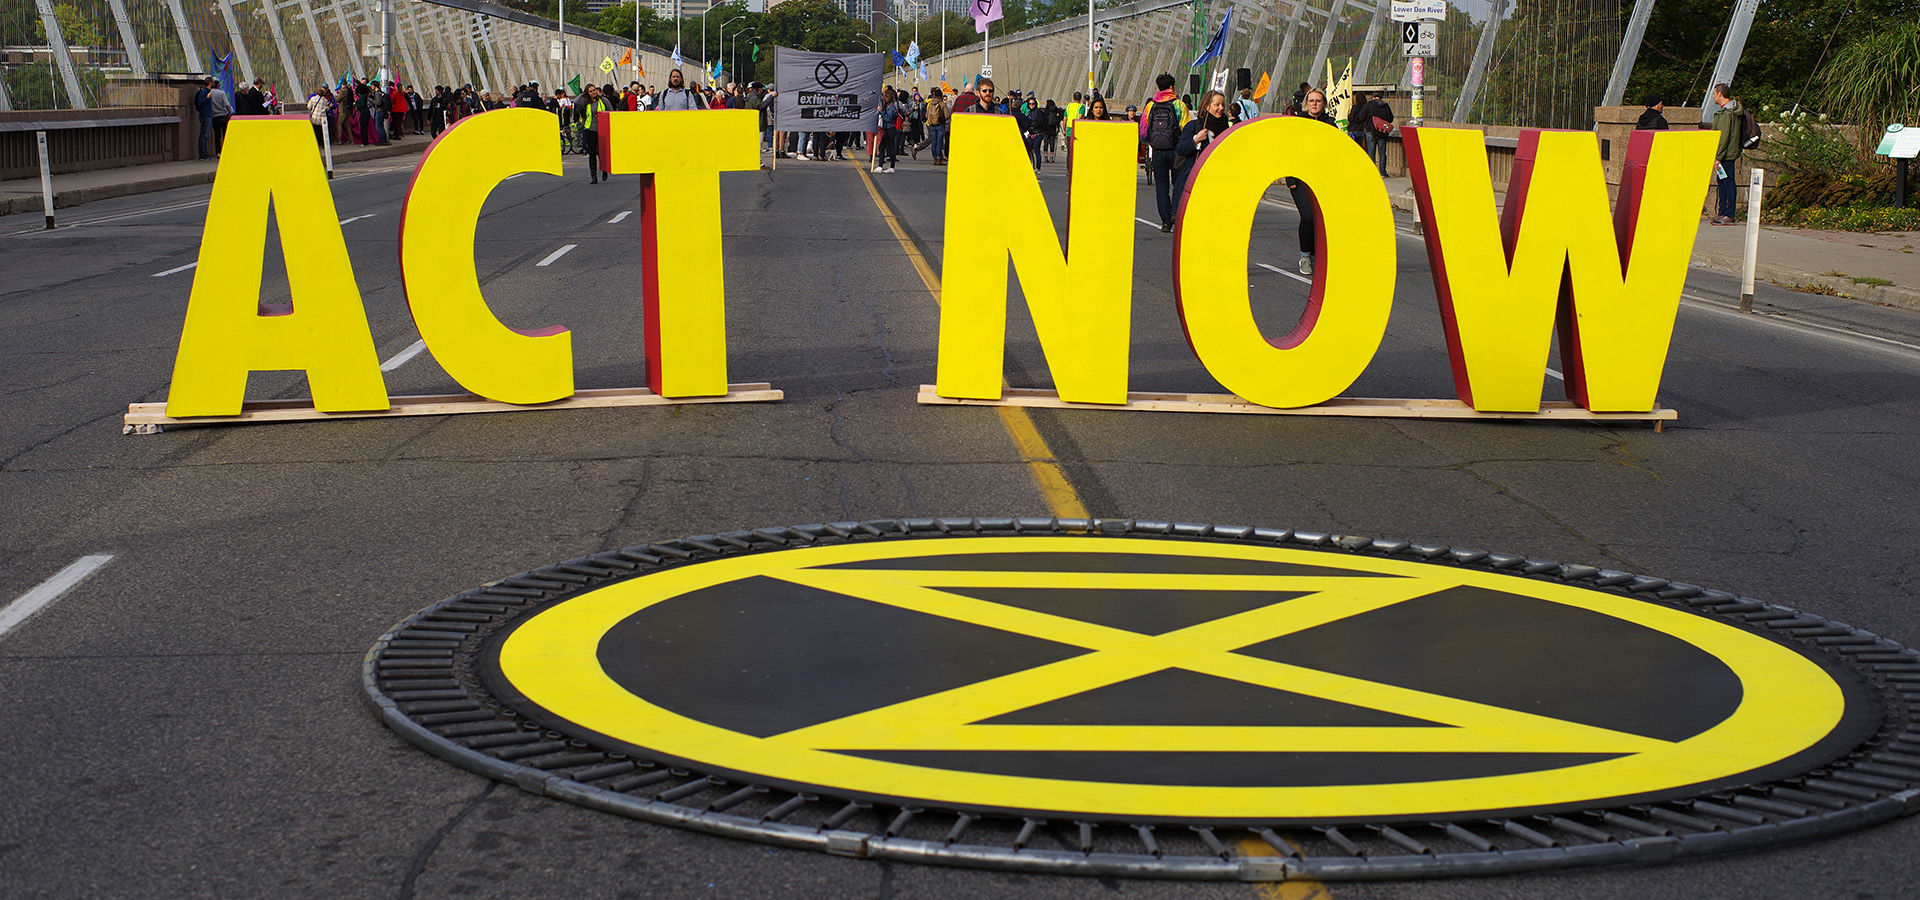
<point x="1206" y="127"/>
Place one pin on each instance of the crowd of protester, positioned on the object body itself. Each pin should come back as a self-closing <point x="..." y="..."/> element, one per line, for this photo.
<point x="1173" y="129"/>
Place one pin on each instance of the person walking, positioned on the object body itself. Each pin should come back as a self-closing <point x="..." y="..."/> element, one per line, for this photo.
<point x="1728" y="120"/>
<point x="222" y="108"/>
<point x="319" y="107"/>
<point x="1197" y="136"/>
<point x="1376" y="124"/>
<point x="1049" y="126"/>
<point x="588" y="112"/>
<point x="1160" y="127"/>
<point x="203" y="107"/>
<point x="677" y="96"/>
<point x="934" y="113"/>
<point x="891" y="121"/>
<point x="1313" y="105"/>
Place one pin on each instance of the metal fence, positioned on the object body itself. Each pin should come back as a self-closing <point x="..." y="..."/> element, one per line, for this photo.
<point x="87" y="54"/>
<point x="1499" y="62"/>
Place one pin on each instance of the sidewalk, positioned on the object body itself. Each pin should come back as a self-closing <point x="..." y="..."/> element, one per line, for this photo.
<point x="23" y="195"/>
<point x="1841" y="263"/>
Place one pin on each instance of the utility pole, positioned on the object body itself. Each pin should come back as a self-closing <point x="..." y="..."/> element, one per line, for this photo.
<point x="385" y="8"/>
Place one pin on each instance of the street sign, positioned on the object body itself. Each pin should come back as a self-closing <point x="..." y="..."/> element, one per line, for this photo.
<point x="1419" y="39"/>
<point x="987" y="70"/>
<point x="1417" y="10"/>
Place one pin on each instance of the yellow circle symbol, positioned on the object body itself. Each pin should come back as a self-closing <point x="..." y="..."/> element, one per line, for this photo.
<point x="1143" y="679"/>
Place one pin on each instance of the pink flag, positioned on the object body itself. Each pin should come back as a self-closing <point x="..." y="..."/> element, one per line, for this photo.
<point x="985" y="11"/>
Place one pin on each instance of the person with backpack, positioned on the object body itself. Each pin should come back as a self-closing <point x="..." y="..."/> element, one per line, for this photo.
<point x="1738" y="132"/>
<point x="1244" y="109"/>
<point x="1654" y="118"/>
<point x="1160" y="126"/>
<point x="1375" y="121"/>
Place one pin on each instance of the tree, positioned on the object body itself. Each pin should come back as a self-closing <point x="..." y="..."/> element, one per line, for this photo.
<point x="1875" y="80"/>
<point x="821" y="25"/>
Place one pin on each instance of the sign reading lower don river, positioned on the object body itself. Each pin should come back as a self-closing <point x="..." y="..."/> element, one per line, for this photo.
<point x="1185" y="678"/>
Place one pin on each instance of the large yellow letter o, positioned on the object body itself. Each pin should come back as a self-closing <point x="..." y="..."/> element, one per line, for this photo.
<point x="1352" y="290"/>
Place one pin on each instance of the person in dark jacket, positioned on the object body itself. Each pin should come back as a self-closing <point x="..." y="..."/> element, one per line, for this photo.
<point x="1312" y="106"/>
<point x="1654" y="119"/>
<point x="1376" y="139"/>
<point x="1197" y="136"/>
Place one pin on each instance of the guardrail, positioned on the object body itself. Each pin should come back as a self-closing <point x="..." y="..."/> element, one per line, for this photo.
<point x="79" y="140"/>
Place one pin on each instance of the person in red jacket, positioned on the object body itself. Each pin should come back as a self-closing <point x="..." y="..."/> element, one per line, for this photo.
<point x="397" y="122"/>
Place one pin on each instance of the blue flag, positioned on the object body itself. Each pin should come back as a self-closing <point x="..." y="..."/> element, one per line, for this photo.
<point x="223" y="72"/>
<point x="1218" y="45"/>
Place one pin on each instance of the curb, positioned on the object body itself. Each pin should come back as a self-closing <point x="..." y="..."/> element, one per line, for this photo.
<point x="1793" y="279"/>
<point x="63" y="199"/>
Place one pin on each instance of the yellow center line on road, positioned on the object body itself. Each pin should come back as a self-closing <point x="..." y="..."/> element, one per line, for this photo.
<point x="1048" y="476"/>
<point x="1064" y="501"/>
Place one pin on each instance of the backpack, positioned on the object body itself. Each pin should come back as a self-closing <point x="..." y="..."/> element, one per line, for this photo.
<point x="1163" y="125"/>
<point x="1749" y="130"/>
<point x="1248" y="112"/>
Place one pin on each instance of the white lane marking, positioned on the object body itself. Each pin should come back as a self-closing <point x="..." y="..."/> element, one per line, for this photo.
<point x="1403" y="232"/>
<point x="401" y="358"/>
<point x="174" y="270"/>
<point x="1146" y="223"/>
<point x="128" y="215"/>
<point x="513" y="176"/>
<point x="1845" y="334"/>
<point x="1556" y="373"/>
<point x="357" y="218"/>
<point x="617" y="219"/>
<point x="1279" y="271"/>
<point x="50" y="590"/>
<point x="556" y="255"/>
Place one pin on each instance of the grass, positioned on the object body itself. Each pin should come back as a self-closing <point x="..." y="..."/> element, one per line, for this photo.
<point x="1821" y="289"/>
<point x="1871" y="281"/>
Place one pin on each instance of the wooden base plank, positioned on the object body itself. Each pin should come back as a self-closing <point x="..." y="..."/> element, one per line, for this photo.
<point x="143" y="417"/>
<point x="1559" y="410"/>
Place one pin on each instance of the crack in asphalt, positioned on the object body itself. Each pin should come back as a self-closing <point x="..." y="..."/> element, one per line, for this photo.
<point x="421" y="857"/>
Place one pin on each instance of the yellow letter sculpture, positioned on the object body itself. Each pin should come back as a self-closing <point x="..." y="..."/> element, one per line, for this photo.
<point x="1352" y="292"/>
<point x="1081" y="301"/>
<point x="272" y="163"/>
<point x="682" y="284"/>
<point x="437" y="227"/>
<point x="1614" y="291"/>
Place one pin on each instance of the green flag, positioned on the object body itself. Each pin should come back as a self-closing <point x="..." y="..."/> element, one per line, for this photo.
<point x="756" y="53"/>
<point x="573" y="84"/>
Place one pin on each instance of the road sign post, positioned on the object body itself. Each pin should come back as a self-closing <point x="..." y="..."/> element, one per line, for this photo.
<point x="1419" y="41"/>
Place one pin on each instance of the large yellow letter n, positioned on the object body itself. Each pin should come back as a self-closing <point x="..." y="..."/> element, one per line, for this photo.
<point x="272" y="163"/>
<point x="1081" y="300"/>
<point x="1552" y="256"/>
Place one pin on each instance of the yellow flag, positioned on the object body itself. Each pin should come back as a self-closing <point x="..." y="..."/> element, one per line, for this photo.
<point x="606" y="64"/>
<point x="1340" y="93"/>
<point x="1266" y="82"/>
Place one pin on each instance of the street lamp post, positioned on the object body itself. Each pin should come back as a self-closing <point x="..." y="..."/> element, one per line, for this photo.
<point x="752" y="29"/>
<point x="722" y="42"/>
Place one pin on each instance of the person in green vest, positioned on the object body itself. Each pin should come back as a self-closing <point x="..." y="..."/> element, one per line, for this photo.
<point x="588" y="111"/>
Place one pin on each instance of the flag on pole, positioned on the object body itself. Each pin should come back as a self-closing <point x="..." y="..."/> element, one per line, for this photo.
<point x="913" y="53"/>
<point x="676" y="54"/>
<point x="1340" y="93"/>
<point x="1266" y="83"/>
<point x="626" y="57"/>
<point x="1219" y="81"/>
<point x="985" y="11"/>
<point x="573" y="84"/>
<point x="1218" y="45"/>
<point x="607" y="64"/>
<point x="756" y="53"/>
<point x="223" y="72"/>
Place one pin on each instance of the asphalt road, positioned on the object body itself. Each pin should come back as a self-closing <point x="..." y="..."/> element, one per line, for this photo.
<point x="187" y="722"/>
